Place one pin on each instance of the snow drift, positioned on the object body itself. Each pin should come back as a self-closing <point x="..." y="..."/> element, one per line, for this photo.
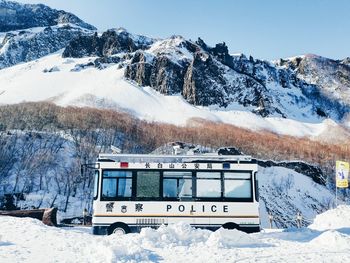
<point x="333" y="219"/>
<point x="28" y="240"/>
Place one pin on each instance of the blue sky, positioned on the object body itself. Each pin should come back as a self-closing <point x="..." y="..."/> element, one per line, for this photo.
<point x="268" y="29"/>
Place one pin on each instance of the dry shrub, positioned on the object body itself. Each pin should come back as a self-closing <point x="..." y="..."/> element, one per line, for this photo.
<point x="150" y="135"/>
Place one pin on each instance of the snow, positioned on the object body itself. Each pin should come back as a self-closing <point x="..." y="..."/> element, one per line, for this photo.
<point x="28" y="240"/>
<point x="172" y="47"/>
<point x="333" y="219"/>
<point x="107" y="88"/>
<point x="332" y="240"/>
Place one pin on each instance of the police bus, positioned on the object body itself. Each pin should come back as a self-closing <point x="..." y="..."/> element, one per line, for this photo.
<point x="207" y="191"/>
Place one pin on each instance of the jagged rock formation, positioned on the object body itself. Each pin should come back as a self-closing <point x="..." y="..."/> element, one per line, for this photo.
<point x="211" y="76"/>
<point x="27" y="45"/>
<point x="332" y="77"/>
<point x="35" y="31"/>
<point x="15" y="16"/>
<point x="109" y="43"/>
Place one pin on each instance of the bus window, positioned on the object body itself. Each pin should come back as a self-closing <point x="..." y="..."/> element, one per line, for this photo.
<point x="238" y="185"/>
<point x="96" y="184"/>
<point x="208" y="184"/>
<point x="177" y="184"/>
<point x="148" y="184"/>
<point x="116" y="183"/>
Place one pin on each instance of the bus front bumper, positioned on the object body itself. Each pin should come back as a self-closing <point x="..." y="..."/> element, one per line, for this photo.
<point x="99" y="230"/>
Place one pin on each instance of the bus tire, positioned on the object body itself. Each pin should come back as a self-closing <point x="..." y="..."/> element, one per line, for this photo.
<point x="118" y="228"/>
<point x="230" y="226"/>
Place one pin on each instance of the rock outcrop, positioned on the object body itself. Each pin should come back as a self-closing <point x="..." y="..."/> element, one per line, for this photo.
<point x="16" y="16"/>
<point x="109" y="43"/>
<point x="27" y="45"/>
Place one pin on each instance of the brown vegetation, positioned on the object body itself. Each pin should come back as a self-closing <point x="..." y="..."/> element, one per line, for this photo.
<point x="142" y="136"/>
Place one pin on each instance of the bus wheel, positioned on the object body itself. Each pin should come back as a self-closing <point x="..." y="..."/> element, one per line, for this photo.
<point x="118" y="229"/>
<point x="230" y="226"/>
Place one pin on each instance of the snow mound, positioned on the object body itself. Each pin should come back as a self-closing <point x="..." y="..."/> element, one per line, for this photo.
<point x="332" y="239"/>
<point x="333" y="219"/>
<point x="224" y="238"/>
<point x="182" y="234"/>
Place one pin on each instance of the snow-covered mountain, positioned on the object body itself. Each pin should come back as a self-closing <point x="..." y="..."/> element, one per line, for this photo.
<point x="100" y="82"/>
<point x="208" y="76"/>
<point x="202" y="75"/>
<point x="28" y="32"/>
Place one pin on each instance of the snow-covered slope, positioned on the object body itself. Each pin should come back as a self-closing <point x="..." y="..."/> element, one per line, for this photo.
<point x="284" y="193"/>
<point x="68" y="81"/>
<point x="24" y="240"/>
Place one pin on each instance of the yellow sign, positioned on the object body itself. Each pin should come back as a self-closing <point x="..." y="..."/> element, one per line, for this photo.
<point x="342" y="173"/>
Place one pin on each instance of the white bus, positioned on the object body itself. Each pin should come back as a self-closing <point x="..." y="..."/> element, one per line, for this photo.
<point x="206" y="191"/>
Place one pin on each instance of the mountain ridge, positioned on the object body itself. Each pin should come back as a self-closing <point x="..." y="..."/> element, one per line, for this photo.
<point x="204" y="76"/>
<point x="16" y="16"/>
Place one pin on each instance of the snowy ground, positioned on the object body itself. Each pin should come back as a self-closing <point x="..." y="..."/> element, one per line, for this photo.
<point x="28" y="240"/>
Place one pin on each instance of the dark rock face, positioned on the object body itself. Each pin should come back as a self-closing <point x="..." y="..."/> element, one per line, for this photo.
<point x="208" y="82"/>
<point x="314" y="172"/>
<point x="139" y="69"/>
<point x="26" y="45"/>
<point x="206" y="90"/>
<point x="167" y="76"/>
<point x="110" y="43"/>
<point x="159" y="72"/>
<point x="15" y="16"/>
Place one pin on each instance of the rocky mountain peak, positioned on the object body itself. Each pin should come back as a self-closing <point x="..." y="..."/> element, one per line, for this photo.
<point x="15" y="16"/>
<point x="332" y="77"/>
<point x="345" y="61"/>
<point x="220" y="50"/>
<point x="111" y="42"/>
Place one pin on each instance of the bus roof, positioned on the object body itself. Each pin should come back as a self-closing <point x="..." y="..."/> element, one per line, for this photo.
<point x="139" y="158"/>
